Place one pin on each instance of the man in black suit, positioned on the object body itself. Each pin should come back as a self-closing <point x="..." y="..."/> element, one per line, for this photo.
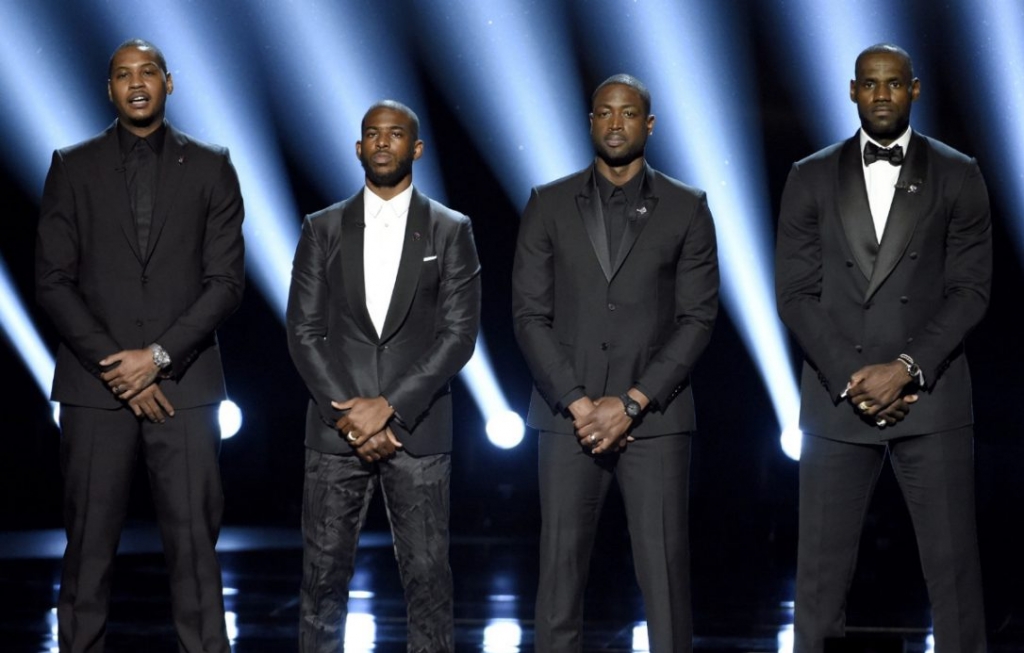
<point x="883" y="267"/>
<point x="383" y="311"/>
<point x="139" y="258"/>
<point x="615" y="291"/>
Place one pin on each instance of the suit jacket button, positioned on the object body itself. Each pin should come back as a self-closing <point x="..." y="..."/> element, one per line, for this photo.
<point x="858" y="348"/>
<point x="611" y="307"/>
<point x="849" y="264"/>
<point x="145" y="279"/>
<point x="913" y="255"/>
<point x="867" y="305"/>
<point x="904" y="299"/>
<point x="604" y="346"/>
<point x="138" y="323"/>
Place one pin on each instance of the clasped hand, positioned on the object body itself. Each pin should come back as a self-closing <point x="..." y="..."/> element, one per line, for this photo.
<point x="876" y="391"/>
<point x="133" y="370"/>
<point x="601" y="424"/>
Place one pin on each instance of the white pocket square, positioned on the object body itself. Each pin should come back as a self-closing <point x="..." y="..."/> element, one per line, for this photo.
<point x="429" y="258"/>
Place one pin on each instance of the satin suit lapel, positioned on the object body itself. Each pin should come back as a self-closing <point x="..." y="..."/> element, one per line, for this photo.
<point x="173" y="160"/>
<point x="638" y="219"/>
<point x="854" y="210"/>
<point x="904" y="213"/>
<point x="409" y="266"/>
<point x="588" y="203"/>
<point x="353" y="227"/>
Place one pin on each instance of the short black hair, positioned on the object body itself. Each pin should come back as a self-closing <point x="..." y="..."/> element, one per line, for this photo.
<point x="395" y="105"/>
<point x="626" y="80"/>
<point x="884" y="48"/>
<point x="141" y="44"/>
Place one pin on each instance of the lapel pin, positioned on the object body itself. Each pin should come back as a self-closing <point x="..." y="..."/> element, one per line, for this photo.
<point x="181" y="159"/>
<point x="642" y="210"/>
<point x="415" y="235"/>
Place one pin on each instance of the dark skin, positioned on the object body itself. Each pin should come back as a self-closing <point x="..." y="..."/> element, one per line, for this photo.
<point x="884" y="92"/>
<point x="619" y="127"/>
<point x="386" y="142"/>
<point x="138" y="89"/>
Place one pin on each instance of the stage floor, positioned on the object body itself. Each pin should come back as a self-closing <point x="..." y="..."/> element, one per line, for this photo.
<point x="495" y="581"/>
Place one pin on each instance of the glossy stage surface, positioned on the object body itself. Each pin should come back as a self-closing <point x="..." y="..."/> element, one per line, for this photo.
<point x="495" y="580"/>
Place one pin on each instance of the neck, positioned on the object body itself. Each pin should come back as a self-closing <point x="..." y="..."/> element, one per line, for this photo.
<point x="389" y="192"/>
<point x="143" y="131"/>
<point x="619" y="175"/>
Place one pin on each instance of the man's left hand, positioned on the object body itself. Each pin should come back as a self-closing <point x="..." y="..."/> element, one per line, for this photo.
<point x="604" y="428"/>
<point x="135" y="370"/>
<point x="364" y="418"/>
<point x="874" y="387"/>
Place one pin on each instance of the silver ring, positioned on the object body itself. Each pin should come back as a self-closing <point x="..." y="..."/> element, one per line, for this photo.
<point x="350" y="436"/>
<point x="593" y="438"/>
<point x="864" y="406"/>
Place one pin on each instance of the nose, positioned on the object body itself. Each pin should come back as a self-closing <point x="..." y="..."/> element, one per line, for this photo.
<point x="616" y="121"/>
<point x="883" y="93"/>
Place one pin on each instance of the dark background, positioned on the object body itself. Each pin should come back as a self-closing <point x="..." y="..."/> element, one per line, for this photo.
<point x="743" y="488"/>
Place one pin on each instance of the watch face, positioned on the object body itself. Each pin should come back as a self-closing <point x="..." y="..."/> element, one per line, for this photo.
<point x="633" y="409"/>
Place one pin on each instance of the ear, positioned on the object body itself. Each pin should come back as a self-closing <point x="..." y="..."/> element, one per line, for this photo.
<point x="915" y="89"/>
<point x="417" y="150"/>
<point x="853" y="91"/>
<point x="650" y="124"/>
<point x="169" y="84"/>
<point x="359" y="150"/>
<point x="110" y="91"/>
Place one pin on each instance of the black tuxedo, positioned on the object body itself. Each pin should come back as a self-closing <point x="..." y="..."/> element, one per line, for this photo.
<point x="428" y="335"/>
<point x="588" y="322"/>
<point x="852" y="301"/>
<point x="105" y="294"/>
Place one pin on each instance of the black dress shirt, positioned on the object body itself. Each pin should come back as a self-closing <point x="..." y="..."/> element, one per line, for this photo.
<point x="141" y="158"/>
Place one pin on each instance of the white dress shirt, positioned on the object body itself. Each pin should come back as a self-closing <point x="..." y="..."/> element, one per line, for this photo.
<point x="880" y="179"/>
<point x="382" y="249"/>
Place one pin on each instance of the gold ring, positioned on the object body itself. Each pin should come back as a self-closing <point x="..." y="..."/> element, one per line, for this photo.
<point x="350" y="436"/>
<point x="864" y="406"/>
<point x="593" y="438"/>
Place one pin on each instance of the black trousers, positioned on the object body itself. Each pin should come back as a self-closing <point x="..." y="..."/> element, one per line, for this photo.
<point x="99" y="449"/>
<point x="653" y="476"/>
<point x="936" y="476"/>
<point x="336" y="494"/>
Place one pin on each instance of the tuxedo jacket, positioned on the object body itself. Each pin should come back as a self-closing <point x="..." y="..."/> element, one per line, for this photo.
<point x="851" y="301"/>
<point x="584" y="320"/>
<point x="105" y="294"/>
<point x="428" y="335"/>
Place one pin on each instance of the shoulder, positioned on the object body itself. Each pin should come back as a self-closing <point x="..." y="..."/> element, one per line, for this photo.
<point x="333" y="212"/>
<point x="569" y="184"/>
<point x="91" y="148"/>
<point x="942" y="152"/>
<point x="194" y="146"/>
<point x="823" y="157"/>
<point x="666" y="186"/>
<point x="441" y="213"/>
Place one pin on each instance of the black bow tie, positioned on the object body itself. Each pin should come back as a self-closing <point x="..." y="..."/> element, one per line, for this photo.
<point x="893" y="155"/>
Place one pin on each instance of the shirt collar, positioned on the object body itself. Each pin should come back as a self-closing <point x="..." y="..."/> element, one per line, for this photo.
<point x="631" y="188"/>
<point x="903" y="141"/>
<point x="374" y="203"/>
<point x="127" y="140"/>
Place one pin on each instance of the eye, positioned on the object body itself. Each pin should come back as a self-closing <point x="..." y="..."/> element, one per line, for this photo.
<point x="397" y="134"/>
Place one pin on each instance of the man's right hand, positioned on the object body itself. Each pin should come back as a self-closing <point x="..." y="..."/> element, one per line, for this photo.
<point x="895" y="412"/>
<point x="380" y="446"/>
<point x="151" y="403"/>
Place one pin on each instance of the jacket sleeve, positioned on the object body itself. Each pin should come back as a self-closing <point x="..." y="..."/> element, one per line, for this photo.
<point x="967" y="279"/>
<point x="458" y="321"/>
<point x="533" y="309"/>
<point x="696" y="308"/>
<point x="223" y="260"/>
<point x="798" y="282"/>
<point x="57" y="272"/>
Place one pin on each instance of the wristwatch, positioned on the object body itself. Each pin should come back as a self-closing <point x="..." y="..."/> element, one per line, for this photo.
<point x="913" y="369"/>
<point x="630" y="406"/>
<point x="160" y="356"/>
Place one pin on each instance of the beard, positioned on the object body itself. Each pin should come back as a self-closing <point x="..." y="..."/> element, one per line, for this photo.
<point x="617" y="159"/>
<point x="386" y="178"/>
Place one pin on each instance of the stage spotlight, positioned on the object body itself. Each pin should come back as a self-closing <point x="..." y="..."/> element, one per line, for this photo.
<point x="792" y="440"/>
<point x="711" y="139"/>
<point x="501" y="421"/>
<point x="785" y="639"/>
<point x="502" y="636"/>
<point x="230" y="416"/>
<point x="231" y="624"/>
<point x="360" y="632"/>
<point x="22" y="334"/>
<point x="640" y="640"/>
<point x="505" y="430"/>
